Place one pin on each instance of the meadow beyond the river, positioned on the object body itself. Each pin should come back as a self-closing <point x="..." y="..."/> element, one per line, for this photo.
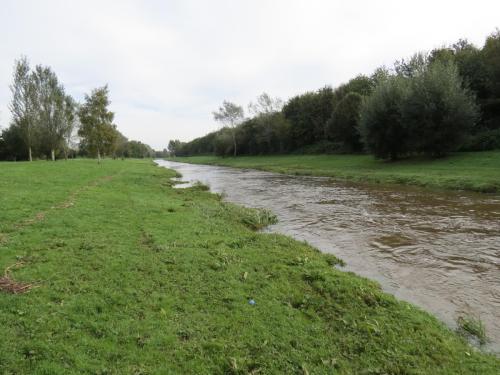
<point x="118" y="272"/>
<point x="473" y="171"/>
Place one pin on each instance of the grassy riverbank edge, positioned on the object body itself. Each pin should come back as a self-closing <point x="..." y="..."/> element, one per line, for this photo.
<point x="472" y="171"/>
<point x="134" y="276"/>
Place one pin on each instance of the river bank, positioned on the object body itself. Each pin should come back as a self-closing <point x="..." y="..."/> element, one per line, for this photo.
<point x="124" y="273"/>
<point x="472" y="171"/>
<point x="436" y="249"/>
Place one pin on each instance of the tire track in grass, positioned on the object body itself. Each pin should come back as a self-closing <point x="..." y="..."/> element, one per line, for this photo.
<point x="7" y="283"/>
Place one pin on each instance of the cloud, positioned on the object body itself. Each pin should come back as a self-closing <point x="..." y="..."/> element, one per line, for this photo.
<point x="170" y="63"/>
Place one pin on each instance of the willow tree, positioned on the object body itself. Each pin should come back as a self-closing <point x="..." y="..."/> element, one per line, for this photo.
<point x="23" y="104"/>
<point x="438" y="111"/>
<point x="97" y="132"/>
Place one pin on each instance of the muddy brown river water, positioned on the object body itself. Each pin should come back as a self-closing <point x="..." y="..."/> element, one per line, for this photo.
<point x="438" y="250"/>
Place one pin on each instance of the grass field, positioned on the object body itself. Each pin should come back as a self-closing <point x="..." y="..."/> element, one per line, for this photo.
<point x="475" y="171"/>
<point x="123" y="274"/>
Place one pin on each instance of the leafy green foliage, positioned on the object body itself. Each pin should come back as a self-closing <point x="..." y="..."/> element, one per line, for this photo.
<point x="97" y="131"/>
<point x="483" y="140"/>
<point x="344" y="123"/>
<point x="55" y="110"/>
<point x="491" y="103"/>
<point x="224" y="143"/>
<point x="43" y="116"/>
<point x="381" y="125"/>
<point x="308" y="114"/>
<point x="437" y="111"/>
<point x="423" y="110"/>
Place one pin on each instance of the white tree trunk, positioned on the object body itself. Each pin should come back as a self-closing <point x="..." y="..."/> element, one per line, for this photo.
<point x="29" y="152"/>
<point x="98" y="157"/>
<point x="53" y="155"/>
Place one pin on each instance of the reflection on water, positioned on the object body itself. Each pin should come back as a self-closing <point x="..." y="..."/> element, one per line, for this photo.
<point x="438" y="250"/>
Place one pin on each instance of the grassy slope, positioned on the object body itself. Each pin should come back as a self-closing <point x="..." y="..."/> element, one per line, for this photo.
<point x="135" y="277"/>
<point x="478" y="171"/>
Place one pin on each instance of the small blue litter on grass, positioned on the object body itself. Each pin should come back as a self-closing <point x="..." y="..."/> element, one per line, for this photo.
<point x="251" y="302"/>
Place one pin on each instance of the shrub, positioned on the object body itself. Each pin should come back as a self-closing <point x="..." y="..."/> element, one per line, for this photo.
<point x="381" y="124"/>
<point x="488" y="139"/>
<point x="438" y="111"/>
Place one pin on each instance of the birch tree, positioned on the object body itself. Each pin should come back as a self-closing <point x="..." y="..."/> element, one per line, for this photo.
<point x="55" y="109"/>
<point x="230" y="116"/>
<point x="97" y="132"/>
<point x="70" y="123"/>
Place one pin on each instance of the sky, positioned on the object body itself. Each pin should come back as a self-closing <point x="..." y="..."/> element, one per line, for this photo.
<point x="169" y="64"/>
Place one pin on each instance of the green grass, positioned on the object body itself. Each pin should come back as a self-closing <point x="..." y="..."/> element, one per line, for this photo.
<point x="475" y="171"/>
<point x="132" y="276"/>
<point x="469" y="325"/>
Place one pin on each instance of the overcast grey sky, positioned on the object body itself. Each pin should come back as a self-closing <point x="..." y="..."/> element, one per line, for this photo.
<point x="169" y="64"/>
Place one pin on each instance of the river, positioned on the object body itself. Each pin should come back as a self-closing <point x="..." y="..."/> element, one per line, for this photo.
<point x="438" y="250"/>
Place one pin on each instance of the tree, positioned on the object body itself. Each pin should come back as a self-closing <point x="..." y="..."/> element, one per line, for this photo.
<point x="223" y="142"/>
<point x="12" y="144"/>
<point x="121" y="146"/>
<point x="272" y="132"/>
<point x="491" y="58"/>
<point x="70" y="121"/>
<point x="344" y="122"/>
<point x="268" y="123"/>
<point x="230" y="115"/>
<point x="23" y="104"/>
<point x="55" y="109"/>
<point x="425" y="111"/>
<point x="97" y="131"/>
<point x="470" y="63"/>
<point x="438" y="111"/>
<point x="265" y="105"/>
<point x="308" y="115"/>
<point x="412" y="67"/>
<point x="381" y="74"/>
<point x="381" y="124"/>
<point x="361" y="85"/>
<point x="174" y="146"/>
<point x="491" y="52"/>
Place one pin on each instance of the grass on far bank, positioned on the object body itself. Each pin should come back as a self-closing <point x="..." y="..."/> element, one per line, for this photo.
<point x="132" y="276"/>
<point x="474" y="171"/>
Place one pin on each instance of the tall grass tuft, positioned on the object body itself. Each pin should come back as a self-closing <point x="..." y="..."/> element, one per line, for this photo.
<point x="469" y="325"/>
<point x="258" y="218"/>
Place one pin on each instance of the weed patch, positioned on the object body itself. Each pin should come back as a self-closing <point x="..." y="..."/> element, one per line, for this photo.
<point x="9" y="285"/>
<point x="468" y="325"/>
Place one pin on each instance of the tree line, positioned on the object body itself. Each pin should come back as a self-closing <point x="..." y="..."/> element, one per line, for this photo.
<point x="432" y="103"/>
<point x="47" y="123"/>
